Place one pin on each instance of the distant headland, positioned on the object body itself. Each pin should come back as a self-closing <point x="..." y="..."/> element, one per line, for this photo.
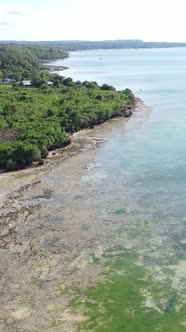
<point x="74" y="45"/>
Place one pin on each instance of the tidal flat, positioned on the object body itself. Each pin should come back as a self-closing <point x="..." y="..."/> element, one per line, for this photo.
<point x="78" y="254"/>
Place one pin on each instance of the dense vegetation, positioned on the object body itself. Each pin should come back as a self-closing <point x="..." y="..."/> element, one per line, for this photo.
<point x="111" y="44"/>
<point x="73" y="45"/>
<point x="21" y="62"/>
<point x="35" y="120"/>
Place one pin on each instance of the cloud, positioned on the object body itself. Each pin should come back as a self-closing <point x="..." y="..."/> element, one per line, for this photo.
<point x="11" y="16"/>
<point x="4" y="23"/>
<point x="14" y="12"/>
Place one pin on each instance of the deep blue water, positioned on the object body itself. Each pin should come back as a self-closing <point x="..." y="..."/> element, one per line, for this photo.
<point x="151" y="159"/>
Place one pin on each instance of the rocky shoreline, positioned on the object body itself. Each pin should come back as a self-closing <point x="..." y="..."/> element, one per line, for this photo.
<point x="125" y="113"/>
<point x="51" y="223"/>
<point x="52" y="68"/>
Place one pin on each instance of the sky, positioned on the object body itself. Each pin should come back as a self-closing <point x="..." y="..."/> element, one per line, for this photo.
<point x="149" y="20"/>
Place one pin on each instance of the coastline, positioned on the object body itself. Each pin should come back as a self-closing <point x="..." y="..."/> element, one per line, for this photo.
<point x="50" y="224"/>
<point x="94" y="239"/>
<point x="87" y="140"/>
<point x="52" y="68"/>
<point x="125" y="112"/>
<point x="80" y="140"/>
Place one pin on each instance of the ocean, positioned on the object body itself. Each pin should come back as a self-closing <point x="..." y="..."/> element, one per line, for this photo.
<point x="152" y="158"/>
<point x="142" y="172"/>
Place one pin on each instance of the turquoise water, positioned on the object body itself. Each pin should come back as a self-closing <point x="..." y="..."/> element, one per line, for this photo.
<point x="151" y="159"/>
<point x="142" y="176"/>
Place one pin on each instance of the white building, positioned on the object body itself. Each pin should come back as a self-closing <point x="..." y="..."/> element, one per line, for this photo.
<point x="26" y="83"/>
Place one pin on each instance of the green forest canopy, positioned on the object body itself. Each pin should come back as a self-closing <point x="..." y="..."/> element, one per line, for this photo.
<point x="23" y="61"/>
<point x="40" y="118"/>
<point x="73" y="45"/>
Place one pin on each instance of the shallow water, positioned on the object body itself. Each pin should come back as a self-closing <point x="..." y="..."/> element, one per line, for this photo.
<point x="149" y="160"/>
<point x="141" y="172"/>
<point x="106" y="212"/>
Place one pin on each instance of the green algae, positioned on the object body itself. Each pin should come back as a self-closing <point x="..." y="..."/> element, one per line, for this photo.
<point x="119" y="211"/>
<point x="130" y="300"/>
